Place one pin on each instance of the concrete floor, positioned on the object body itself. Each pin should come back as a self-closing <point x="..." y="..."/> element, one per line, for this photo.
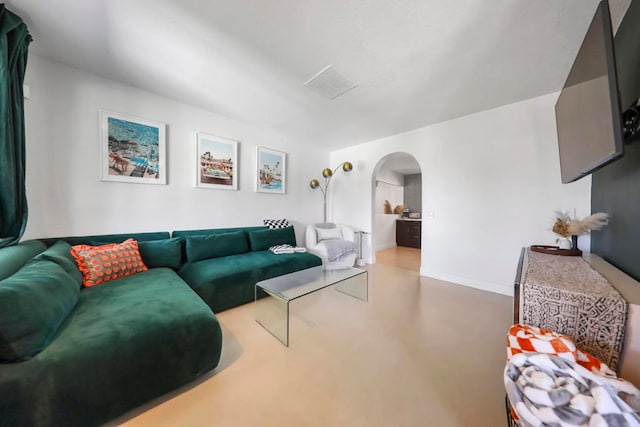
<point x="420" y="352"/>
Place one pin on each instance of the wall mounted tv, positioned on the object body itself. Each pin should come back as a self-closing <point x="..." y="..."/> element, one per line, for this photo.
<point x="588" y="115"/>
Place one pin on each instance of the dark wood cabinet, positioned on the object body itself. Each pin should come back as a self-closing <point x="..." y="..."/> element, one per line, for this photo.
<point x="408" y="233"/>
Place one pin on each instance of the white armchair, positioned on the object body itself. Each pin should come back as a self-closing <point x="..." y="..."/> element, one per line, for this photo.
<point x="335" y="245"/>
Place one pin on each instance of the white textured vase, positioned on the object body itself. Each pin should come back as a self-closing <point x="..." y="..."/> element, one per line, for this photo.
<point x="564" y="243"/>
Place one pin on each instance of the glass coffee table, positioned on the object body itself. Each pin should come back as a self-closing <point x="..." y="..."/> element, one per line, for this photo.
<point x="272" y="311"/>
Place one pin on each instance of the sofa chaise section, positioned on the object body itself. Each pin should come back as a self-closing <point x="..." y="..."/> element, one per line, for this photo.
<point x="122" y="344"/>
<point x="127" y="342"/>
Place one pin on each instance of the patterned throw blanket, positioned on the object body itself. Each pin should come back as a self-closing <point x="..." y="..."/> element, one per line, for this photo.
<point x="530" y="339"/>
<point x="547" y="390"/>
<point x="550" y="382"/>
<point x="286" y="249"/>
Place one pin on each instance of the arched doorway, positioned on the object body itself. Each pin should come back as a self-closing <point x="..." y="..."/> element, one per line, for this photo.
<point x="397" y="211"/>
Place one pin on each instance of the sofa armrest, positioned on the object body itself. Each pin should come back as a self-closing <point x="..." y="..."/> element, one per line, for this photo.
<point x="310" y="237"/>
<point x="348" y="233"/>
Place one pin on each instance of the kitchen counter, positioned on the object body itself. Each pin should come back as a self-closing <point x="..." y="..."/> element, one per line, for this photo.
<point x="409" y="219"/>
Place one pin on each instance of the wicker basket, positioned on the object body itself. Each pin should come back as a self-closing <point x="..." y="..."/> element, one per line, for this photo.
<point x="510" y="421"/>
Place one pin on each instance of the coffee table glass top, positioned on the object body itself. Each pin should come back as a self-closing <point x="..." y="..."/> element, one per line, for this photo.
<point x="273" y="311"/>
<point x="295" y="285"/>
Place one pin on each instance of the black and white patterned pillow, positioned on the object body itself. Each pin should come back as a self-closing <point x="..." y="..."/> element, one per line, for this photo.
<point x="276" y="223"/>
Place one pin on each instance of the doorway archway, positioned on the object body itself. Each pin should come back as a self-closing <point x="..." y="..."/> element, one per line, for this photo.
<point x="396" y="186"/>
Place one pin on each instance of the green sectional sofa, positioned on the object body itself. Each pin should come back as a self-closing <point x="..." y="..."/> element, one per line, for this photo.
<point x="74" y="356"/>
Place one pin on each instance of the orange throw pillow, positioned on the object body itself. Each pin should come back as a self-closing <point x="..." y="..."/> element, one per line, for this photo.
<point x="99" y="264"/>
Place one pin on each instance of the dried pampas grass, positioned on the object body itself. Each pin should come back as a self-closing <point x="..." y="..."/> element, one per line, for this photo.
<point x="587" y="224"/>
<point x="565" y="226"/>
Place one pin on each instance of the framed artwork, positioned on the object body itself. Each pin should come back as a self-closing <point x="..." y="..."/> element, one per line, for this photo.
<point x="271" y="171"/>
<point x="132" y="149"/>
<point x="217" y="162"/>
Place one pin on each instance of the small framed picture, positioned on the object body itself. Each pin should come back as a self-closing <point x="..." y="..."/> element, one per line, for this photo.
<point x="217" y="162"/>
<point x="132" y="149"/>
<point x="271" y="171"/>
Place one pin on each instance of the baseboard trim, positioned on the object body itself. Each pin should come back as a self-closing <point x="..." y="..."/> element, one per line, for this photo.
<point x="471" y="283"/>
<point x="384" y="246"/>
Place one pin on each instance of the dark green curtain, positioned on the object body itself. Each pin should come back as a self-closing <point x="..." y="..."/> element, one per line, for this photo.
<point x="14" y="45"/>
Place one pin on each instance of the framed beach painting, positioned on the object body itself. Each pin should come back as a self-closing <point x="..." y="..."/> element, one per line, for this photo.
<point x="132" y="149"/>
<point x="271" y="171"/>
<point x="217" y="162"/>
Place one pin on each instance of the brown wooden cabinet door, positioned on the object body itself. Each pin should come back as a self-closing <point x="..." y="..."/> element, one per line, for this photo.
<point x="408" y="233"/>
<point x="416" y="234"/>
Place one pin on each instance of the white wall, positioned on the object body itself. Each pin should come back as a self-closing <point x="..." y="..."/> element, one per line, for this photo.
<point x="391" y="193"/>
<point x="492" y="180"/>
<point x="389" y="176"/>
<point x="389" y="186"/>
<point x="66" y="196"/>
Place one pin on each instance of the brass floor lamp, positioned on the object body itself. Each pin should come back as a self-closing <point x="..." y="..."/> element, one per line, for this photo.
<point x="327" y="174"/>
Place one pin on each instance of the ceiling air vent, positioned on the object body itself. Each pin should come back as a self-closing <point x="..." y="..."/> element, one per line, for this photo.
<point x="329" y="83"/>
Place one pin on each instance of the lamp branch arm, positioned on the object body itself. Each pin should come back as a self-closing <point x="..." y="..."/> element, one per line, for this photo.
<point x="338" y="167"/>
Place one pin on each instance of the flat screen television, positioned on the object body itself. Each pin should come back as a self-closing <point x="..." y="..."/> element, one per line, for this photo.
<point x="588" y="115"/>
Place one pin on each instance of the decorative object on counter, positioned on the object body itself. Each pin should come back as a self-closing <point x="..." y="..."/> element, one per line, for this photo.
<point x="569" y="229"/>
<point x="327" y="174"/>
<point x="398" y="210"/>
<point x="387" y="207"/>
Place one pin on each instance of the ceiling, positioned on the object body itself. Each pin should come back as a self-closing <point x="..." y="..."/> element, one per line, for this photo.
<point x="415" y="62"/>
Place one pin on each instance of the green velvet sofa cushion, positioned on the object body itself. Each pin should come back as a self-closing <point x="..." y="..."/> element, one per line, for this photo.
<point x="230" y="281"/>
<point x="12" y="258"/>
<point x="128" y="341"/>
<point x="261" y="240"/>
<point x="107" y="238"/>
<point x="209" y="232"/>
<point x="33" y="304"/>
<point x="161" y="253"/>
<point x="216" y="245"/>
<point x="60" y="253"/>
